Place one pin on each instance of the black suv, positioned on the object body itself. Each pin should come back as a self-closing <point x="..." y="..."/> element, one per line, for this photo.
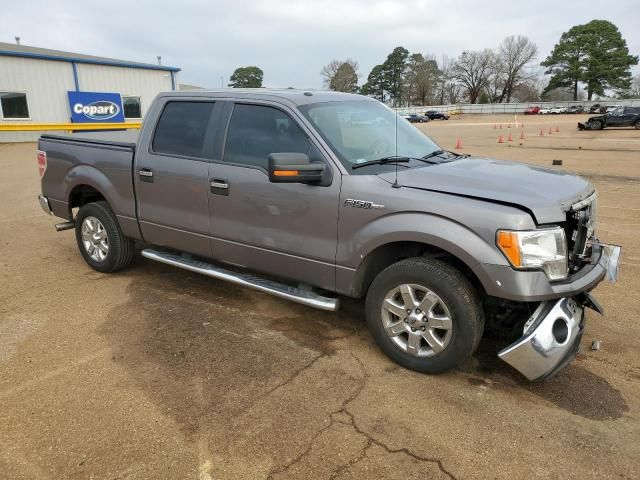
<point x="435" y="115"/>
<point x="620" y="117"/>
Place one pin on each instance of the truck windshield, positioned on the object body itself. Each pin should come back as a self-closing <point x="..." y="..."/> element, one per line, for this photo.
<point x="361" y="131"/>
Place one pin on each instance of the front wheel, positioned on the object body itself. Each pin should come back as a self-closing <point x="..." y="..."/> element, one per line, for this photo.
<point x="596" y="125"/>
<point x="424" y="314"/>
<point x="100" y="239"/>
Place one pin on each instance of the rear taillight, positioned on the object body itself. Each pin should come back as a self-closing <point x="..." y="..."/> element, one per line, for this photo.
<point x="42" y="162"/>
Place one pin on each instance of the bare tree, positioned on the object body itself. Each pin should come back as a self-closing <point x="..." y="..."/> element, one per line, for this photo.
<point x="496" y="80"/>
<point x="515" y="53"/>
<point x="421" y="79"/>
<point x="448" y="91"/>
<point x="635" y="87"/>
<point x="472" y="70"/>
<point x="330" y="69"/>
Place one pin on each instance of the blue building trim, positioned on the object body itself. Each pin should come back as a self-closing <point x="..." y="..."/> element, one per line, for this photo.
<point x="110" y="63"/>
<point x="75" y="76"/>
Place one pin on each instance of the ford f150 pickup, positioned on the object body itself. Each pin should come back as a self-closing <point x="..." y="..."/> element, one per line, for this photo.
<point x="313" y="195"/>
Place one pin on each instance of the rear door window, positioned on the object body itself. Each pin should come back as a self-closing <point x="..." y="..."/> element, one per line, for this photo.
<point x="182" y="129"/>
<point x="255" y="131"/>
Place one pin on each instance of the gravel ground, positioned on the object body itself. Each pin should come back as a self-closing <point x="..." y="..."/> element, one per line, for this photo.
<point x="158" y="373"/>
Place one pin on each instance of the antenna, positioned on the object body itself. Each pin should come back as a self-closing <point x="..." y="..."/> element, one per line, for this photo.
<point x="395" y="183"/>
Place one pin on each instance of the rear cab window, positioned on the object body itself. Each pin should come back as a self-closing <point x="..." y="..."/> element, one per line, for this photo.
<point x="182" y="129"/>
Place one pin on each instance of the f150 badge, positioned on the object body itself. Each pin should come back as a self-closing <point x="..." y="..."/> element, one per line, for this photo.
<point x="365" y="204"/>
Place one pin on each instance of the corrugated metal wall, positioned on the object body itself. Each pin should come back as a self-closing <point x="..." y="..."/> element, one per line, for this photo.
<point x="46" y="83"/>
<point x="137" y="82"/>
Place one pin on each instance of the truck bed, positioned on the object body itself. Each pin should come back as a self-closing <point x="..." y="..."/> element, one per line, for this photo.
<point x="99" y="162"/>
<point x="120" y="138"/>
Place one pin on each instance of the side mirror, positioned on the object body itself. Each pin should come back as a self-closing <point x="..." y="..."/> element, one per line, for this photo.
<point x="294" y="168"/>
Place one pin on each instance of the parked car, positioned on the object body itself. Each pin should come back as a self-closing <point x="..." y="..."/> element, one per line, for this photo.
<point x="415" y="118"/>
<point x="595" y="108"/>
<point x="532" y="111"/>
<point x="618" y="117"/>
<point x="575" y="109"/>
<point x="544" y="111"/>
<point x="436" y="243"/>
<point x="435" y="115"/>
<point x="556" y="110"/>
<point x="603" y="109"/>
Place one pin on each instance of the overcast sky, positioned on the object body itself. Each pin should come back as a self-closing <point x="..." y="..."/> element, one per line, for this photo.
<point x="292" y="40"/>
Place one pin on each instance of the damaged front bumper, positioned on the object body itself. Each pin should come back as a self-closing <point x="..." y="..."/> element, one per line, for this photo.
<point x="551" y="337"/>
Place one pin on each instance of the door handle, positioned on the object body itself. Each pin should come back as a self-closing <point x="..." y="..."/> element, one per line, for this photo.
<point x="219" y="186"/>
<point x="146" y="175"/>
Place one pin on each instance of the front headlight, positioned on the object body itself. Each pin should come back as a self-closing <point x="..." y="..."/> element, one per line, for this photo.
<point x="536" y="249"/>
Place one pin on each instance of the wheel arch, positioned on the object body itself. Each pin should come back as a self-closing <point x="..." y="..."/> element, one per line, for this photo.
<point x="389" y="253"/>
<point x="85" y="184"/>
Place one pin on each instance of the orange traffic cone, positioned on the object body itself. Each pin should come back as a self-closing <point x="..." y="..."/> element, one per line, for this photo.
<point x="459" y="144"/>
<point x="541" y="133"/>
<point x="500" y="139"/>
<point x="550" y="130"/>
<point x="510" y="137"/>
<point x="557" y="129"/>
<point x="522" y="134"/>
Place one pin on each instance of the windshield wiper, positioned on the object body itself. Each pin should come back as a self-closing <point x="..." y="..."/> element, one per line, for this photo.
<point x="435" y="153"/>
<point x="383" y="161"/>
<point x="438" y="153"/>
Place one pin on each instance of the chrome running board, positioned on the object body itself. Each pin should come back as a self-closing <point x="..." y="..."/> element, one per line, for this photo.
<point x="305" y="297"/>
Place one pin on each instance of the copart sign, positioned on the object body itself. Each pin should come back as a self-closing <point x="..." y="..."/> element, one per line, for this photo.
<point x="95" y="107"/>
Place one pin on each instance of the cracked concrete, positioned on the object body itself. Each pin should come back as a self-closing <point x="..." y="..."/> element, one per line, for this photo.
<point x="159" y="373"/>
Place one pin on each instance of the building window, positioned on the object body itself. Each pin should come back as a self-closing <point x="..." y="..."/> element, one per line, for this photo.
<point x="132" y="107"/>
<point x="14" y="105"/>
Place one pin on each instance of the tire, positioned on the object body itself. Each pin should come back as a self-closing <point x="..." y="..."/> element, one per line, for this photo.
<point x="100" y="239"/>
<point x="449" y="294"/>
<point x="637" y="125"/>
<point x="596" y="125"/>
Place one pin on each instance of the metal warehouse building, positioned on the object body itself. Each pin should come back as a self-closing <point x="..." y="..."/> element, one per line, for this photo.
<point x="37" y="85"/>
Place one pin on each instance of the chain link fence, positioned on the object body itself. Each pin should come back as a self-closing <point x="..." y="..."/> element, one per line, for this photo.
<point x="496" y="108"/>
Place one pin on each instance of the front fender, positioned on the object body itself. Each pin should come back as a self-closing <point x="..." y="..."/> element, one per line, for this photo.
<point x="443" y="233"/>
<point x="429" y="229"/>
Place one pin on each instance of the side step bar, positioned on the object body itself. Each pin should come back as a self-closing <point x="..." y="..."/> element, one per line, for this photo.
<point x="281" y="290"/>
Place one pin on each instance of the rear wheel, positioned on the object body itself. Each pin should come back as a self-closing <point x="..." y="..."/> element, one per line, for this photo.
<point x="637" y="125"/>
<point x="100" y="239"/>
<point x="424" y="314"/>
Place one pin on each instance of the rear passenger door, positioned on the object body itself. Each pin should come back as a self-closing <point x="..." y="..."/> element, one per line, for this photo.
<point x="171" y="177"/>
<point x="285" y="229"/>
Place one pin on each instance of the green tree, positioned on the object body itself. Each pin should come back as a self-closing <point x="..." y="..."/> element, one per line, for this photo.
<point x="330" y="70"/>
<point x="394" y="69"/>
<point x="246" y="77"/>
<point x="594" y="54"/>
<point x="345" y="79"/>
<point x="377" y="83"/>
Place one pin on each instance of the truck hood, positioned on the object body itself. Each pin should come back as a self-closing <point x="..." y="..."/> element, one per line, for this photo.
<point x="547" y="194"/>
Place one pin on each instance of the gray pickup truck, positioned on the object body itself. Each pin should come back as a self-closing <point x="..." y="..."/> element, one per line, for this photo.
<point x="312" y="195"/>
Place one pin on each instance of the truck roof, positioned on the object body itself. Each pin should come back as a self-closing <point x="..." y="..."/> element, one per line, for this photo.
<point x="296" y="97"/>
